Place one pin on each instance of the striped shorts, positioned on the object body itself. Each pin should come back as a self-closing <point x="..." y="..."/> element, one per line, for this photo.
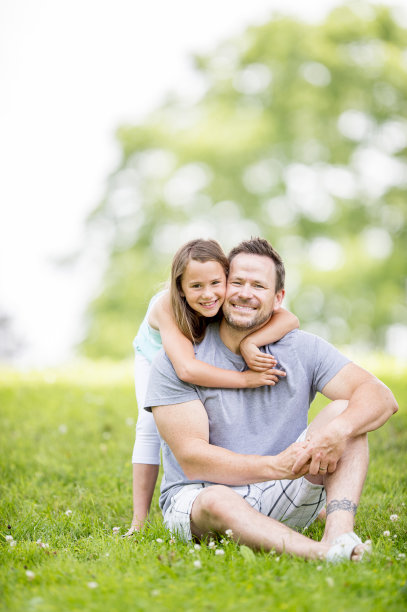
<point x="295" y="503"/>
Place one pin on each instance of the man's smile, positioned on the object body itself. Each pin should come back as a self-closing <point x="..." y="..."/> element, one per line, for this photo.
<point x="243" y="307"/>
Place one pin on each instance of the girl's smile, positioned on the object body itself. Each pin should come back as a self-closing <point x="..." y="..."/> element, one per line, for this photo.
<point x="204" y="285"/>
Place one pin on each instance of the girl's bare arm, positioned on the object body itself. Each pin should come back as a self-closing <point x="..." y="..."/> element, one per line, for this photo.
<point x="189" y="369"/>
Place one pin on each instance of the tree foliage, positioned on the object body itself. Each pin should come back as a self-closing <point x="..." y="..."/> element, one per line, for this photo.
<point x="300" y="137"/>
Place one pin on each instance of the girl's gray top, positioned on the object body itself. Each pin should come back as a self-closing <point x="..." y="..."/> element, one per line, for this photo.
<point x="262" y="421"/>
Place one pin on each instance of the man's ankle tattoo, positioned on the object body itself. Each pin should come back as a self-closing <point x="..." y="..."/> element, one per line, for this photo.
<point x="341" y="504"/>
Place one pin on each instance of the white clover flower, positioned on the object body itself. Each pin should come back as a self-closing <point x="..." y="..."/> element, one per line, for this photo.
<point x="155" y="593"/>
<point x="68" y="512"/>
<point x="107" y="554"/>
<point x="9" y="538"/>
<point x="172" y="540"/>
<point x="93" y="585"/>
<point x="116" y="529"/>
<point x="211" y="544"/>
<point x="229" y="533"/>
<point x="319" y="568"/>
<point x="401" y="556"/>
<point x="197" y="546"/>
<point x="395" y="536"/>
<point x="394" y="517"/>
<point x="63" y="429"/>
<point x="329" y="581"/>
<point x="159" y="540"/>
<point x="191" y="551"/>
<point x="30" y="575"/>
<point x="219" y="551"/>
<point x="386" y="533"/>
<point x="13" y="543"/>
<point x="197" y="564"/>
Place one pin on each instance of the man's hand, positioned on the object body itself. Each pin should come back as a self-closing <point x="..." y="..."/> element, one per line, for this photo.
<point x="322" y="451"/>
<point x="283" y="463"/>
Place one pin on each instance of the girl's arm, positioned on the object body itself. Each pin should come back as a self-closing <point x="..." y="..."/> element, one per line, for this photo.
<point x="278" y="326"/>
<point x="189" y="369"/>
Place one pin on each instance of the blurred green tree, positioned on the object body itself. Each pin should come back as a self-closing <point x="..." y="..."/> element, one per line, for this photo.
<point x="300" y="137"/>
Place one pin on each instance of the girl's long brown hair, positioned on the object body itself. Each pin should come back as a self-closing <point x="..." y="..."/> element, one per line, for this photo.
<point x="191" y="323"/>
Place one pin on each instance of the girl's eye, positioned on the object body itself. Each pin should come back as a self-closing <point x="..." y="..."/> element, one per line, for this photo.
<point x="216" y="282"/>
<point x="196" y="286"/>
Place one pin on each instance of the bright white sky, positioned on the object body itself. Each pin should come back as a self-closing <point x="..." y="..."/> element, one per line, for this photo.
<point x="71" y="71"/>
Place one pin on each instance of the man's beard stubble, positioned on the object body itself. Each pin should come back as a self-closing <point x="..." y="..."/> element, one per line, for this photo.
<point x="256" y="322"/>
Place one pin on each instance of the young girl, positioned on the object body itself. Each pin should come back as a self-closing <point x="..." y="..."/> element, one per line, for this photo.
<point x="176" y="319"/>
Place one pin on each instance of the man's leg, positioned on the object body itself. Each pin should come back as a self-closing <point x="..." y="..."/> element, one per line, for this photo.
<point x="344" y="486"/>
<point x="218" y="508"/>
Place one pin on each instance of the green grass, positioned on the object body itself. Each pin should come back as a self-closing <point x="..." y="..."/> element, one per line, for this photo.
<point x="66" y="440"/>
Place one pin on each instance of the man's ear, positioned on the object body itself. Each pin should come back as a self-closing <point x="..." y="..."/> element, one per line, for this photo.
<point x="278" y="300"/>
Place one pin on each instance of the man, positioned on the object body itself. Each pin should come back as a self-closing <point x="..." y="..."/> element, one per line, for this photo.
<point x="243" y="459"/>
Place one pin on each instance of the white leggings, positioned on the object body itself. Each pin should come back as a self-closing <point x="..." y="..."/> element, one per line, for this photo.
<point x="147" y="444"/>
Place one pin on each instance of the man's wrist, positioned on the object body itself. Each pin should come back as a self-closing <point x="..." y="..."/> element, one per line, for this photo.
<point x="271" y="468"/>
<point x="340" y="428"/>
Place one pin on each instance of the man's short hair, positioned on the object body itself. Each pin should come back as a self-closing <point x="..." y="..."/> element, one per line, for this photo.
<point x="260" y="246"/>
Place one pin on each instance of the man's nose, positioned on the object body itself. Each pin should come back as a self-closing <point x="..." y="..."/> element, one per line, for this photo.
<point x="245" y="291"/>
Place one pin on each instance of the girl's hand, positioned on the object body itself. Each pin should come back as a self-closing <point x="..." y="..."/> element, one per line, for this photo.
<point x="255" y="359"/>
<point x="259" y="379"/>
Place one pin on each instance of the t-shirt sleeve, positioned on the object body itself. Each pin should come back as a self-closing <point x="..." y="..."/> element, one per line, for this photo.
<point x="164" y="387"/>
<point x="328" y="362"/>
<point x="320" y="360"/>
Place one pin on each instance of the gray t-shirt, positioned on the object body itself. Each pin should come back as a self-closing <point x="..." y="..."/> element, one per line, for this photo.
<point x="261" y="421"/>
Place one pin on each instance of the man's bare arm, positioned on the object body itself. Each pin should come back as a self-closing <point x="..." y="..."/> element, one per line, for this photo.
<point x="185" y="428"/>
<point x="370" y="405"/>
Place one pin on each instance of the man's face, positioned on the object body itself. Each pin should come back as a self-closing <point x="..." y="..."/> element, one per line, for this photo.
<point x="250" y="292"/>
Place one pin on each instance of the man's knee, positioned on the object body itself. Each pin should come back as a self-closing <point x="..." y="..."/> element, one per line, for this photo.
<point x="214" y="503"/>
<point x="327" y="414"/>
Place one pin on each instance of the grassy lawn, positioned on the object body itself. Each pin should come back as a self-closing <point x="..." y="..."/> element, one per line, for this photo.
<point x="66" y="440"/>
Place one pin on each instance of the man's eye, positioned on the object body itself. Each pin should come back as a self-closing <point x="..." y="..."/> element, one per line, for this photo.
<point x="236" y="283"/>
<point x="259" y="286"/>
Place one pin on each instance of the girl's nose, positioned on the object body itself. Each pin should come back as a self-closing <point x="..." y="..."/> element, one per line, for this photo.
<point x="207" y="292"/>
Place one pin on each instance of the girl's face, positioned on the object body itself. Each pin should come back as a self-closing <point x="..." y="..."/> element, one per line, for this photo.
<point x="204" y="286"/>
